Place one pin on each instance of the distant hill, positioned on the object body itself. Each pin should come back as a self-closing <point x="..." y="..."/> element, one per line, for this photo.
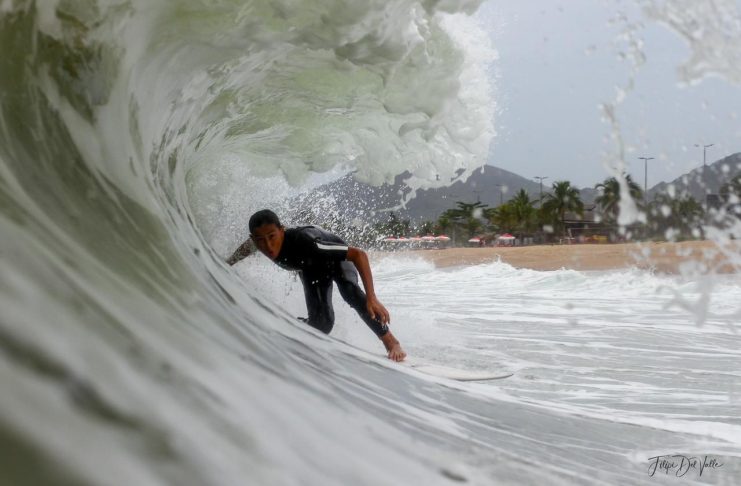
<point x="701" y="181"/>
<point x="354" y="202"/>
<point x="361" y="203"/>
<point x="490" y="185"/>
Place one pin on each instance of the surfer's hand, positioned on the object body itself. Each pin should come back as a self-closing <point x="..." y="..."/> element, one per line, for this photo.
<point x="377" y="310"/>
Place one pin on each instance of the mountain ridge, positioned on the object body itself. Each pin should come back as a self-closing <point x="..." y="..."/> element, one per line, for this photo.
<point x="359" y="203"/>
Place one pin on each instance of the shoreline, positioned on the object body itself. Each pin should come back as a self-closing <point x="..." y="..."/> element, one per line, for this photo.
<point x="696" y="257"/>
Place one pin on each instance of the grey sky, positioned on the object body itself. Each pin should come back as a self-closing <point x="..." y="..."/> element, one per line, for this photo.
<point x="559" y="60"/>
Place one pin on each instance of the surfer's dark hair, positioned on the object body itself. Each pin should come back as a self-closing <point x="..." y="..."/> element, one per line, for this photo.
<point x="263" y="217"/>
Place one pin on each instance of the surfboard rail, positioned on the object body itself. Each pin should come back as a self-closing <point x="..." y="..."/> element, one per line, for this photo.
<point x="452" y="373"/>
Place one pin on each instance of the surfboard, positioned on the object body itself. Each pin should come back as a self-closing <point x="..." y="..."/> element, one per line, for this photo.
<point x="457" y="374"/>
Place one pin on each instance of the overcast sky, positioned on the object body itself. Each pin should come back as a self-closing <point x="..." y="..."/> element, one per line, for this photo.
<point x="559" y="61"/>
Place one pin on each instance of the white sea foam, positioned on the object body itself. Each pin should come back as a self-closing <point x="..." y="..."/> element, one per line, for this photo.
<point x="130" y="355"/>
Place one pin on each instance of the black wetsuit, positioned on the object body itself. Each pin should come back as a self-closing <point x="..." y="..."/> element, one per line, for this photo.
<point x="321" y="258"/>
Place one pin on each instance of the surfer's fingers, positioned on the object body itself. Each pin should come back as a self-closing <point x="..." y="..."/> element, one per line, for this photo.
<point x="386" y="315"/>
<point x="381" y="314"/>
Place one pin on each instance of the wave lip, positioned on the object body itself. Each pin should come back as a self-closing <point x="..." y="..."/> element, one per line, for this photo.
<point x="129" y="354"/>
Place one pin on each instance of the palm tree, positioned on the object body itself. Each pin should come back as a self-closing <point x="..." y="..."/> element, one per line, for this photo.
<point x="609" y="198"/>
<point x="426" y="228"/>
<point x="490" y="215"/>
<point x="524" y="213"/>
<point x="502" y="217"/>
<point x="444" y="223"/>
<point x="473" y="225"/>
<point x="730" y="194"/>
<point x="731" y="188"/>
<point x="394" y="226"/>
<point x="467" y="210"/>
<point x="468" y="216"/>
<point x="564" y="198"/>
<point x="517" y="216"/>
<point x="675" y="218"/>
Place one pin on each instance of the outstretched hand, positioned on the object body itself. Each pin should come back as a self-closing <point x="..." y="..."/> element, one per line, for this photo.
<point x="377" y="310"/>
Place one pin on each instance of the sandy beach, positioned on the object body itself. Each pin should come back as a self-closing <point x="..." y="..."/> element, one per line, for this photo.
<point x="702" y="257"/>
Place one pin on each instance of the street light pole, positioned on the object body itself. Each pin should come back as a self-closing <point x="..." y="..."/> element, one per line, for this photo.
<point x="645" y="174"/>
<point x="541" y="187"/>
<point x="704" y="152"/>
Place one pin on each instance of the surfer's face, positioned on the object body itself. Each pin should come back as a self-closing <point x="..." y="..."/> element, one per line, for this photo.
<point x="269" y="239"/>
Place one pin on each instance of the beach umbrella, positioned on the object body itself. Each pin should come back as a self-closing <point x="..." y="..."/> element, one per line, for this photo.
<point x="428" y="238"/>
<point x="442" y="238"/>
<point x="506" y="236"/>
<point x="475" y="239"/>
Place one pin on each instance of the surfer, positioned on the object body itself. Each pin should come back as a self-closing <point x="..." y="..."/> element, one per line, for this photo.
<point x="322" y="258"/>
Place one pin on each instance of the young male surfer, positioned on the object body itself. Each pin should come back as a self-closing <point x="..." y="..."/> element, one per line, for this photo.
<point x="322" y="258"/>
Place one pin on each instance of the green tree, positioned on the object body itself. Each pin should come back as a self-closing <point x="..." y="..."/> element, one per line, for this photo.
<point x="394" y="226"/>
<point x="524" y="213"/>
<point x="473" y="226"/>
<point x="730" y="189"/>
<point x="426" y="228"/>
<point x="467" y="216"/>
<point x="518" y="216"/>
<point x="502" y="218"/>
<point x="609" y="198"/>
<point x="444" y="224"/>
<point x="468" y="210"/>
<point x="563" y="198"/>
<point x="675" y="218"/>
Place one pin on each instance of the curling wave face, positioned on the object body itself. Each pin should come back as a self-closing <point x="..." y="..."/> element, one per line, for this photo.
<point x="126" y="350"/>
<point x="128" y="353"/>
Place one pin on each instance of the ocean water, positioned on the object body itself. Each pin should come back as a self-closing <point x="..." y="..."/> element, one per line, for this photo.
<point x="135" y="139"/>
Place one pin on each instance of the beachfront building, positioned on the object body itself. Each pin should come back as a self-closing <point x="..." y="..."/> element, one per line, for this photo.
<point x="586" y="228"/>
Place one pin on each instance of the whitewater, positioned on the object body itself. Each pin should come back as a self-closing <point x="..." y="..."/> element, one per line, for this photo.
<point x="136" y="137"/>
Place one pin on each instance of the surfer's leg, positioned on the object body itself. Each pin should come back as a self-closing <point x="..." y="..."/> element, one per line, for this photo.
<point x="318" y="294"/>
<point x="347" y="283"/>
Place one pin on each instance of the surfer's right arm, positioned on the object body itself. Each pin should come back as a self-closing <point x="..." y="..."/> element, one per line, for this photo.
<point x="244" y="250"/>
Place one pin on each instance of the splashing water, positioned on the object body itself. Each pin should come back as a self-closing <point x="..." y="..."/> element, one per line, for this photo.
<point x="137" y="136"/>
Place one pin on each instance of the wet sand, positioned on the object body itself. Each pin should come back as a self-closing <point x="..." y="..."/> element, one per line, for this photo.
<point x="702" y="257"/>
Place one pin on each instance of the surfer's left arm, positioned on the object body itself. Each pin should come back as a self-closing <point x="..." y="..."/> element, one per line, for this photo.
<point x="244" y="250"/>
<point x="360" y="259"/>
